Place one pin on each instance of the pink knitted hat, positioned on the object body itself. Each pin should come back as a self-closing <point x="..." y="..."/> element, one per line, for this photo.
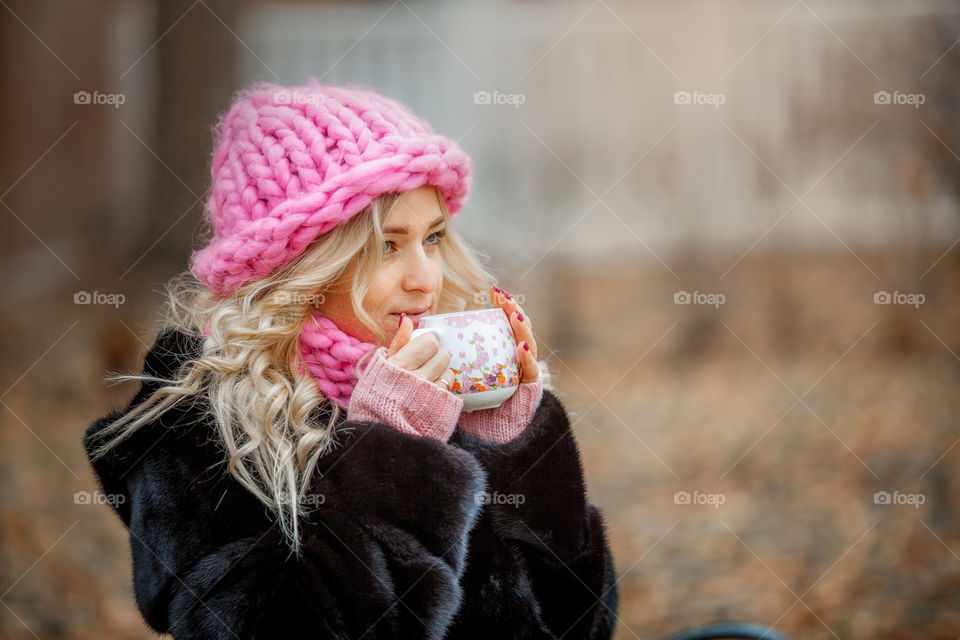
<point x="290" y="163"/>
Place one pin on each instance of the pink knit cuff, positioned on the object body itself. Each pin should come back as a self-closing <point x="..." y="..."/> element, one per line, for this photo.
<point x="506" y="422"/>
<point x="397" y="397"/>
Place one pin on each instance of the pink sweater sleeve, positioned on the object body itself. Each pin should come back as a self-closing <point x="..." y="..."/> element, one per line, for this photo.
<point x="506" y="422"/>
<point x="397" y="397"/>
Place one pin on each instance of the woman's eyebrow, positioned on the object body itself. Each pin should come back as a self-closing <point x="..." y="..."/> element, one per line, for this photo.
<point x="402" y="231"/>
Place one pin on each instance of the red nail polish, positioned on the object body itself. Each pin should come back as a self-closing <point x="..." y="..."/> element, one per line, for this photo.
<point x="400" y="324"/>
<point x="507" y="296"/>
<point x="520" y="317"/>
<point x="526" y="346"/>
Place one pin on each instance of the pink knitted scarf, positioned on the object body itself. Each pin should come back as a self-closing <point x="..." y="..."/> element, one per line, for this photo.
<point x="331" y="357"/>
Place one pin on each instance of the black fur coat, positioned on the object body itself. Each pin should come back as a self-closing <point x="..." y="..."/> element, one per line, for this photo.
<point x="402" y="543"/>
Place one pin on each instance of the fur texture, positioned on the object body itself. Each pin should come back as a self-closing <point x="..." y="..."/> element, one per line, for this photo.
<point x="413" y="537"/>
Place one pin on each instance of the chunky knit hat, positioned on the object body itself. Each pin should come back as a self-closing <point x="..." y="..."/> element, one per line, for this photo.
<point x="290" y="163"/>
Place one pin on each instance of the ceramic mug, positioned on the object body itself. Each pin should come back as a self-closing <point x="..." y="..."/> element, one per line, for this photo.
<point x="484" y="361"/>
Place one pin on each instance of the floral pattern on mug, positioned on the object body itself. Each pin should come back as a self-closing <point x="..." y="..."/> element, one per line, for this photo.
<point x="478" y="375"/>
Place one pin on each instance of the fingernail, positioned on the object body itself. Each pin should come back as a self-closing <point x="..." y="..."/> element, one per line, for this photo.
<point x="507" y="295"/>
<point x="526" y="347"/>
<point x="519" y="316"/>
<point x="401" y="320"/>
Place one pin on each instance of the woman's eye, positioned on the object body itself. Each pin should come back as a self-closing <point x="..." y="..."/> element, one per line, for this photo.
<point x="437" y="235"/>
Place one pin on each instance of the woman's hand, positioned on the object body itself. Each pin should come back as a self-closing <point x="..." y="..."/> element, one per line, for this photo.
<point x="422" y="355"/>
<point x="522" y="332"/>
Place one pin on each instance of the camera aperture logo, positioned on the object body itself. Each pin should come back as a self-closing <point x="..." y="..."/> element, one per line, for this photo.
<point x="699" y="297"/>
<point x="712" y="499"/>
<point x="913" y="499"/>
<point x="512" y="499"/>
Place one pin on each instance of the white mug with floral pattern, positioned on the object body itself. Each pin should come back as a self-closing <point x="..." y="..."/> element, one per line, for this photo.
<point x="484" y="361"/>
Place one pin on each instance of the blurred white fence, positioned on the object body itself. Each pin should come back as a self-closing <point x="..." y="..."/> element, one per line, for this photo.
<point x="583" y="147"/>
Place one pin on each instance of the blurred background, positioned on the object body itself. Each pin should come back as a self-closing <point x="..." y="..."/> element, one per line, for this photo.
<point x="734" y="225"/>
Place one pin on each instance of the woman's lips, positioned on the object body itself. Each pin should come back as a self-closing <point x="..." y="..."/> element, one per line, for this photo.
<point x="413" y="316"/>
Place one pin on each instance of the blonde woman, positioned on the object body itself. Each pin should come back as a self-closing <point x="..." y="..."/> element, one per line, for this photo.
<point x="294" y="465"/>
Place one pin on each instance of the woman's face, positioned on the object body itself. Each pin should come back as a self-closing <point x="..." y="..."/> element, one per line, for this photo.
<point x="410" y="276"/>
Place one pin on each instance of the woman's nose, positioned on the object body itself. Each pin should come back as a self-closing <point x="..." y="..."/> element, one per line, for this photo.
<point x="419" y="273"/>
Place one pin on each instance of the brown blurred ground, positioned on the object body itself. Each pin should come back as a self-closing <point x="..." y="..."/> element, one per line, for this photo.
<point x="664" y="398"/>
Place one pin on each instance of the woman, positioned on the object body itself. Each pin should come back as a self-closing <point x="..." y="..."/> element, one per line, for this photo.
<point x="293" y="463"/>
